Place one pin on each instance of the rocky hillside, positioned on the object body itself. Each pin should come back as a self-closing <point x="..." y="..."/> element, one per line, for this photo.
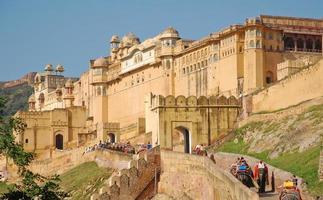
<point x="27" y="78"/>
<point x="290" y="139"/>
<point x="17" y="98"/>
<point x="287" y="131"/>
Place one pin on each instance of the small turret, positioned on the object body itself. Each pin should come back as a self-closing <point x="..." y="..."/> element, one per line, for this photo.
<point x="59" y="68"/>
<point x="69" y="97"/>
<point x="49" y="68"/>
<point x="32" y="103"/>
<point x="114" y="43"/>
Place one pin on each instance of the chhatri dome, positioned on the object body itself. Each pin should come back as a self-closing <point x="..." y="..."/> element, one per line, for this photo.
<point x="115" y="39"/>
<point x="130" y="39"/>
<point x="100" y="62"/>
<point x="170" y="32"/>
<point x="49" y="67"/>
<point x="59" y="68"/>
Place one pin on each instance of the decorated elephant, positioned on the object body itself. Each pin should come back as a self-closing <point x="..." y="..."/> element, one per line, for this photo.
<point x="290" y="195"/>
<point x="245" y="178"/>
<point x="261" y="175"/>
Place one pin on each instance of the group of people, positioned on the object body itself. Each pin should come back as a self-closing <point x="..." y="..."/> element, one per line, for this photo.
<point x="241" y="166"/>
<point x="290" y="189"/>
<point x="260" y="174"/>
<point x="200" y="150"/>
<point x="121" y="147"/>
<point x="242" y="170"/>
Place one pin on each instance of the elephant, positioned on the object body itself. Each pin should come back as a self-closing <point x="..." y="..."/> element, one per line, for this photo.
<point x="290" y="195"/>
<point x="262" y="179"/>
<point x="245" y="178"/>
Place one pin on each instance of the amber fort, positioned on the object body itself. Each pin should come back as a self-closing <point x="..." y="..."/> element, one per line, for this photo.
<point x="175" y="93"/>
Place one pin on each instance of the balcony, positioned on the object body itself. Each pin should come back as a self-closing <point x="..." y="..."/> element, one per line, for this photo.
<point x="166" y="51"/>
<point x="97" y="79"/>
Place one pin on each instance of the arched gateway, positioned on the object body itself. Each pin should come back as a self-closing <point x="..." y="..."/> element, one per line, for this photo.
<point x="59" y="141"/>
<point x="181" y="140"/>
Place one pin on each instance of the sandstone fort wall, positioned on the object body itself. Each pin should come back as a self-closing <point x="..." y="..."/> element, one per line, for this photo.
<point x="129" y="183"/>
<point x="197" y="177"/>
<point x="66" y="160"/>
<point x="296" y="88"/>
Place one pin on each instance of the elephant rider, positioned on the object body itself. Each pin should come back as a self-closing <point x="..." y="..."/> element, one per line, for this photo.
<point x="261" y="168"/>
<point x="244" y="167"/>
<point x="289" y="188"/>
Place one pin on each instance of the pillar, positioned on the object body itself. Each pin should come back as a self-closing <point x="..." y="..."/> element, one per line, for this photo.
<point x="295" y="44"/>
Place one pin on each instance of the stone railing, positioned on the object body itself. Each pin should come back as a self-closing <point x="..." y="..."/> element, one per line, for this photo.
<point x="197" y="177"/>
<point x="66" y="160"/>
<point x="129" y="183"/>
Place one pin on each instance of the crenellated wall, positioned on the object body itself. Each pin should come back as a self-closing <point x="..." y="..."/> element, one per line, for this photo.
<point x="197" y="177"/>
<point x="175" y="121"/>
<point x="128" y="184"/>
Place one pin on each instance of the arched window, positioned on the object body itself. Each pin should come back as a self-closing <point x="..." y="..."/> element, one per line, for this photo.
<point x="41" y="98"/>
<point x="318" y="45"/>
<point x="251" y="44"/>
<point x="300" y="44"/>
<point x="258" y="32"/>
<point x="104" y="91"/>
<point x="111" y="138"/>
<point x="289" y="43"/>
<point x="98" y="91"/>
<point x="258" y="44"/>
<point x="59" y="141"/>
<point x="167" y="64"/>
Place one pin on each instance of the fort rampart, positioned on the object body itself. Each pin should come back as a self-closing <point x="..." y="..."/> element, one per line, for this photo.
<point x="292" y="90"/>
<point x="197" y="177"/>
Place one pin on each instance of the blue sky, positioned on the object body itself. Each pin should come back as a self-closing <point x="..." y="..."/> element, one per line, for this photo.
<point x="70" y="32"/>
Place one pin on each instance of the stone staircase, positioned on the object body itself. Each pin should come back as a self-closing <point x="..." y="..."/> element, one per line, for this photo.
<point x="129" y="184"/>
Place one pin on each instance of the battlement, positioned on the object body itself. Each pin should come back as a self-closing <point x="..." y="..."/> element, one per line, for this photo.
<point x="193" y="101"/>
<point x="129" y="183"/>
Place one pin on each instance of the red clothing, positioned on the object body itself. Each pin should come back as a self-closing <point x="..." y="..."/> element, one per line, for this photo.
<point x="256" y="170"/>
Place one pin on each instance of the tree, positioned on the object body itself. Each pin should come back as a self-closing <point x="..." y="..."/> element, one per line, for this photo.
<point x="32" y="185"/>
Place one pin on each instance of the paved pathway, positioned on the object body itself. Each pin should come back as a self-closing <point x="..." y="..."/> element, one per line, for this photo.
<point x="224" y="161"/>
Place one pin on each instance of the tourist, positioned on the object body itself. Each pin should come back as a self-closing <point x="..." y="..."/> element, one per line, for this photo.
<point x="295" y="180"/>
<point x="289" y="189"/>
<point x="212" y="158"/>
<point x="197" y="149"/>
<point x="149" y="146"/>
<point x="261" y="175"/>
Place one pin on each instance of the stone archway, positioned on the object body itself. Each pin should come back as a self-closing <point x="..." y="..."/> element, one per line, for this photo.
<point x="181" y="139"/>
<point x="112" y="137"/>
<point x="269" y="77"/>
<point x="59" y="141"/>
